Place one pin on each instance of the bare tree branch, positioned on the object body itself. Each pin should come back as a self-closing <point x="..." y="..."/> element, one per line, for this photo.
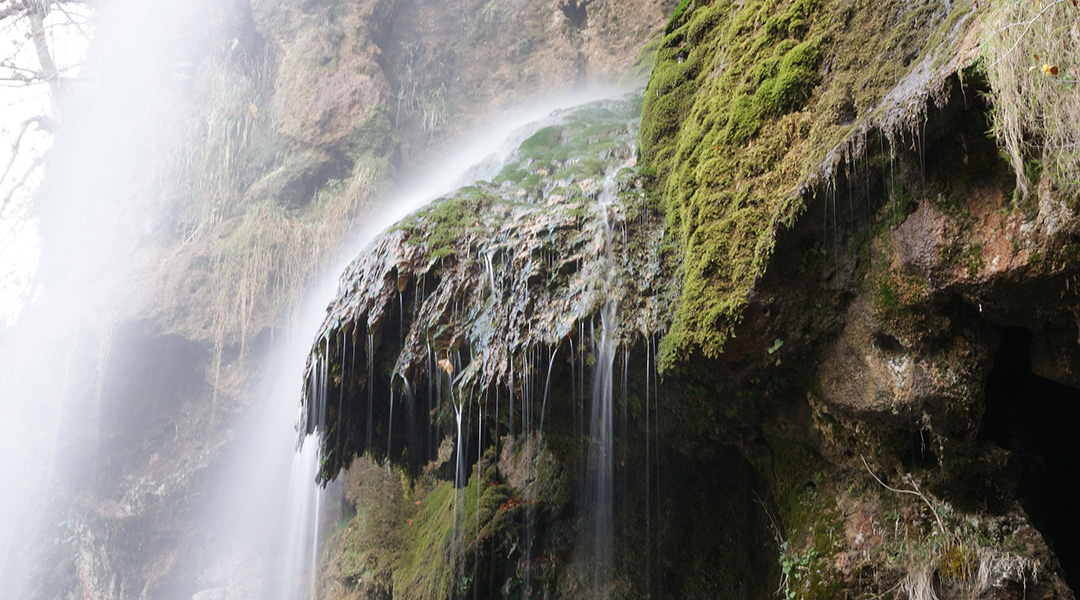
<point x="48" y="66"/>
<point x="24" y="6"/>
<point x="12" y="234"/>
<point x="21" y="182"/>
<point x="15" y="9"/>
<point x="31" y="73"/>
<point x="16" y="17"/>
<point x="43" y="123"/>
<point x="71" y="19"/>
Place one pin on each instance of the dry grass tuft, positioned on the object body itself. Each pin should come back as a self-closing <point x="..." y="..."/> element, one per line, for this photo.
<point x="261" y="267"/>
<point x="962" y="555"/>
<point x="1032" y="52"/>
<point x="218" y="158"/>
<point x="919" y="583"/>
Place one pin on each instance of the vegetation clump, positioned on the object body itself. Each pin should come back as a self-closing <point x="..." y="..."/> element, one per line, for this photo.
<point x="1031" y="59"/>
<point x="747" y="103"/>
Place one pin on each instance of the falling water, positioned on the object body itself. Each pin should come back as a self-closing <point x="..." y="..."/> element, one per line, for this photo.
<point x="474" y="160"/>
<point x="301" y="510"/>
<point x="599" y="482"/>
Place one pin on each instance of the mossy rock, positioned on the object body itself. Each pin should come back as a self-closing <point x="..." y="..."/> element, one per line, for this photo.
<point x="747" y="103"/>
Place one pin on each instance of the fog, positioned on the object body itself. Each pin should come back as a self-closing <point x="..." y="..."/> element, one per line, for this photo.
<point x="103" y="414"/>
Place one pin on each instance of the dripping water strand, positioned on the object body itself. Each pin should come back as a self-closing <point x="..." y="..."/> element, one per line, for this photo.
<point x="370" y="439"/>
<point x="648" y="492"/>
<point x="922" y="152"/>
<point x="600" y="461"/>
<point x="547" y="384"/>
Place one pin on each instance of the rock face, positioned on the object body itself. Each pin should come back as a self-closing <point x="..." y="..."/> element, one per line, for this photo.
<point x="865" y="326"/>
<point x="212" y="174"/>
<point x="499" y="270"/>
<point x="844" y="329"/>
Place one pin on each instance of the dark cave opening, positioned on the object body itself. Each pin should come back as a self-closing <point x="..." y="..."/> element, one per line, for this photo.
<point x="1036" y="419"/>
<point x="576" y="12"/>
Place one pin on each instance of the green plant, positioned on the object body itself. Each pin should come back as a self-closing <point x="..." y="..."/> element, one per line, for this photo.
<point x="490" y="11"/>
<point x="794" y="567"/>
<point x="776" y="345"/>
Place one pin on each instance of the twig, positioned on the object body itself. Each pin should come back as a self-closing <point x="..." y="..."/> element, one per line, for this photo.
<point x="12" y="234"/>
<point x="778" y="537"/>
<point x="13" y="9"/>
<point x="915" y="492"/>
<point x="43" y="123"/>
<point x="22" y="181"/>
<point x="72" y="21"/>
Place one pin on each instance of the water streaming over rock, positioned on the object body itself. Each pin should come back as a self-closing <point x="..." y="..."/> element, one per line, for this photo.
<point x="600" y="467"/>
<point x="505" y="293"/>
<point x="479" y="159"/>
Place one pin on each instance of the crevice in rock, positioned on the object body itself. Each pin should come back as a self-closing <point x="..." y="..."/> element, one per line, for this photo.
<point x="919" y="453"/>
<point x="576" y="12"/>
<point x="1035" y="419"/>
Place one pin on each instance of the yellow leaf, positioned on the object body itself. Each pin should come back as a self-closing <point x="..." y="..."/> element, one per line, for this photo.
<point x="446" y="365"/>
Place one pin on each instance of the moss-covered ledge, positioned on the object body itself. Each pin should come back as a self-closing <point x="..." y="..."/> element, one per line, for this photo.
<point x="468" y="294"/>
<point x="753" y="106"/>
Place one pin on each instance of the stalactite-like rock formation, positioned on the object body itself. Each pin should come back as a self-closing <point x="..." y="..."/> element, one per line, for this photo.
<point x="864" y="311"/>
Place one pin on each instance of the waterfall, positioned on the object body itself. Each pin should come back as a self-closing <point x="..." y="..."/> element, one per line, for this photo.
<point x="480" y="157"/>
<point x="302" y="503"/>
<point x="600" y="467"/>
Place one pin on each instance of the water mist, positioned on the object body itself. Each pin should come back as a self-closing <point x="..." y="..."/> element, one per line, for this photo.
<point x="260" y="461"/>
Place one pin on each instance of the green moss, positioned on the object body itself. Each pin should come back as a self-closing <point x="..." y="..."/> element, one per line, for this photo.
<point x="795" y="78"/>
<point x="374" y="136"/>
<point x="638" y="73"/>
<point x="901" y="204"/>
<point x="437" y="553"/>
<point x="739" y="111"/>
<point x="542" y="142"/>
<point x="424" y="571"/>
<point x="448" y="221"/>
<point x="369" y="543"/>
<point x="784" y="83"/>
<point x="682" y="10"/>
<point x="973" y="260"/>
<point x="511" y="173"/>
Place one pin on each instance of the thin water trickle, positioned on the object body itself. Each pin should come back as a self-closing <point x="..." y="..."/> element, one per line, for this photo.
<point x="458" y="470"/>
<point x="390" y="426"/>
<point x="600" y="465"/>
<point x="547" y="384"/>
<point x="313" y="555"/>
<point x="511" y="427"/>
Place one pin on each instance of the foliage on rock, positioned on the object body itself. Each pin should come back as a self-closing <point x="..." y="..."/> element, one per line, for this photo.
<point x="499" y="268"/>
<point x="750" y="106"/>
<point x="1031" y="58"/>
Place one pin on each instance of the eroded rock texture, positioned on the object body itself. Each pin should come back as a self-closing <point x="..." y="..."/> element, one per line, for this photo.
<point x="223" y="154"/>
<point x="866" y="333"/>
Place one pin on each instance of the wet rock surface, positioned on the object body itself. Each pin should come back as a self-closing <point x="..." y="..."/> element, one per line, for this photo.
<point x="270" y="130"/>
<point x="882" y="374"/>
<point x="499" y="269"/>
